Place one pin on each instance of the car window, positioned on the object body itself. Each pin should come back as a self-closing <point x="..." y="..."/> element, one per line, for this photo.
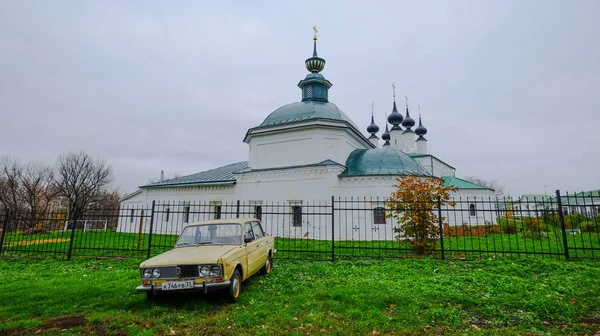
<point x="248" y="234"/>
<point x="258" y="232"/>
<point x="210" y="234"/>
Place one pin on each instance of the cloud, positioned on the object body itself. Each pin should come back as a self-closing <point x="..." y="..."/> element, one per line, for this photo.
<point x="508" y="89"/>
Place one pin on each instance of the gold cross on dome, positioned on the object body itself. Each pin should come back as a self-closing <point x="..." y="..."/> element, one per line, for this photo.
<point x="372" y="107"/>
<point x="316" y="31"/>
<point x="419" y="110"/>
<point x="394" y="89"/>
<point x="406" y="99"/>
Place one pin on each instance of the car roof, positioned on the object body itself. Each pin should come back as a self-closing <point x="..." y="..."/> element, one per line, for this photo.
<point x="225" y="221"/>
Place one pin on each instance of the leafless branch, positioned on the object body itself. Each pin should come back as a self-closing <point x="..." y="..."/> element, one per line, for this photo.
<point x="82" y="179"/>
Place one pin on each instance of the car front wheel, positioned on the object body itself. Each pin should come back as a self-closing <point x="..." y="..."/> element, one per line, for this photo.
<point x="266" y="269"/>
<point x="235" y="287"/>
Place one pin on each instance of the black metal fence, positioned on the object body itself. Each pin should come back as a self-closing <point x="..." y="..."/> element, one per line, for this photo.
<point x="566" y="227"/>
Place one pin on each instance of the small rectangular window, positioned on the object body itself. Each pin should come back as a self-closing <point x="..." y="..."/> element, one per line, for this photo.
<point x="296" y="215"/>
<point x="258" y="212"/>
<point x="472" y="209"/>
<point x="379" y="215"/>
<point x="186" y="214"/>
<point x="131" y="216"/>
<point x="167" y="214"/>
<point x="217" y="212"/>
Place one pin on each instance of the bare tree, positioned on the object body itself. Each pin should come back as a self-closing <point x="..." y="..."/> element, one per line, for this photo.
<point x="11" y="172"/>
<point x="492" y="184"/>
<point x="81" y="180"/>
<point x="37" y="192"/>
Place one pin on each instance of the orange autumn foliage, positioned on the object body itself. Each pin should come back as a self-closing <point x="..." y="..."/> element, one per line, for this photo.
<point x="414" y="205"/>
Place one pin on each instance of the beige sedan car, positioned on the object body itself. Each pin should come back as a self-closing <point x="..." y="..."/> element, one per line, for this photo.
<point x="210" y="255"/>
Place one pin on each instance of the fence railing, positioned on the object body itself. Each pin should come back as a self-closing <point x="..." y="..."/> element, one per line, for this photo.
<point x="557" y="226"/>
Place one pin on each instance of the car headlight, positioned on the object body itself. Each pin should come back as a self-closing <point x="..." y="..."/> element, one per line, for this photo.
<point x="147" y="273"/>
<point x="156" y="273"/>
<point x="215" y="271"/>
<point x="204" y="270"/>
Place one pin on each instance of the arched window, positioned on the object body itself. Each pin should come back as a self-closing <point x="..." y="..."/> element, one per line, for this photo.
<point x="472" y="209"/>
<point x="258" y="212"/>
<point x="379" y="215"/>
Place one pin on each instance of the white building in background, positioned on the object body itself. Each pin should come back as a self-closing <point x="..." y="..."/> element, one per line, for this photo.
<point x="309" y="151"/>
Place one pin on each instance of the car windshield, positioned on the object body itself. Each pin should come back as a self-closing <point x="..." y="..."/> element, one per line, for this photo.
<point x="208" y="234"/>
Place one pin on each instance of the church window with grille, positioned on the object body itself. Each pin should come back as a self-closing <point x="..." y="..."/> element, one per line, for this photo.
<point x="258" y="212"/>
<point x="472" y="210"/>
<point x="308" y="92"/>
<point x="297" y="215"/>
<point x="379" y="215"/>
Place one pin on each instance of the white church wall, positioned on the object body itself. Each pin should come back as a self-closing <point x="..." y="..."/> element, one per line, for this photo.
<point x="473" y="208"/>
<point x="435" y="166"/>
<point x="170" y="203"/>
<point x="277" y="192"/>
<point x="302" y="146"/>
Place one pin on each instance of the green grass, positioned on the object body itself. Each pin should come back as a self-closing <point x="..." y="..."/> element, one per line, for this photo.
<point x="114" y="244"/>
<point x="413" y="297"/>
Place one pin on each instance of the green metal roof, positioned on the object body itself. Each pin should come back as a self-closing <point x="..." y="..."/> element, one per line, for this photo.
<point x="452" y="181"/>
<point x="532" y="198"/>
<point x="306" y="110"/>
<point x="216" y="176"/>
<point x="382" y="161"/>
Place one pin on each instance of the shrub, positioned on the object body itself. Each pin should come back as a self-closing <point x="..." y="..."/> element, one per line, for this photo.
<point x="535" y="234"/>
<point x="591" y="226"/>
<point x="470" y="230"/>
<point x="533" y="225"/>
<point x="549" y="217"/>
<point x="509" y="228"/>
<point x="412" y="204"/>
<point x="575" y="220"/>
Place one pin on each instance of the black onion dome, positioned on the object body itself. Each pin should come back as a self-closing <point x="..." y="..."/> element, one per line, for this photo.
<point x="420" y="130"/>
<point x="395" y="118"/>
<point x="372" y="128"/>
<point x="386" y="135"/>
<point x="408" y="122"/>
<point x="315" y="64"/>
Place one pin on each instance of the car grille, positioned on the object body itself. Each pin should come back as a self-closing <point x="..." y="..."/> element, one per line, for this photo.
<point x="188" y="271"/>
<point x="170" y="272"/>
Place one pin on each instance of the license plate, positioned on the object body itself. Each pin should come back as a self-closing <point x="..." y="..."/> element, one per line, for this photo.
<point x="174" y="285"/>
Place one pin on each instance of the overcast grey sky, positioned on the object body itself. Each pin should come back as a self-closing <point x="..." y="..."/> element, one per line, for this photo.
<point x="510" y="90"/>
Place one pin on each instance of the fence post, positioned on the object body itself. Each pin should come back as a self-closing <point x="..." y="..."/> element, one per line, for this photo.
<point x="140" y="230"/>
<point x="4" y="228"/>
<point x="74" y="223"/>
<point x="237" y="209"/>
<point x="332" y="228"/>
<point x="151" y="228"/>
<point x="441" y="225"/>
<point x="562" y="224"/>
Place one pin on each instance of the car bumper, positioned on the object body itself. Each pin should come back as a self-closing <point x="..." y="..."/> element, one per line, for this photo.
<point x="202" y="287"/>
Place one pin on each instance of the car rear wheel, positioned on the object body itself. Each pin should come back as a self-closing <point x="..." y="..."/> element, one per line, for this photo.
<point x="235" y="287"/>
<point x="266" y="269"/>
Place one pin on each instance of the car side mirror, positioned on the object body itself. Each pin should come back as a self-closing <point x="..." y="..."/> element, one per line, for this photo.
<point x="247" y="240"/>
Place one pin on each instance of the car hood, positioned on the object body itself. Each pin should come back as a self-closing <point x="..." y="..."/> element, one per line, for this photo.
<point x="190" y="255"/>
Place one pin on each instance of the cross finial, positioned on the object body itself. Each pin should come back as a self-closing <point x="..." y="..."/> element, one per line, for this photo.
<point x="419" y="110"/>
<point x="316" y="31"/>
<point x="406" y="99"/>
<point x="372" y="107"/>
<point x="394" y="90"/>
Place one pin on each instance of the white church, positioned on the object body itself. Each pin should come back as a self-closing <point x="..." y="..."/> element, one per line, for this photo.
<point x="309" y="151"/>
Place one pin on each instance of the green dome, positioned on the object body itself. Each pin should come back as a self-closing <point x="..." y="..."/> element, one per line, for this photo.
<point x="382" y="161"/>
<point x="306" y="110"/>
